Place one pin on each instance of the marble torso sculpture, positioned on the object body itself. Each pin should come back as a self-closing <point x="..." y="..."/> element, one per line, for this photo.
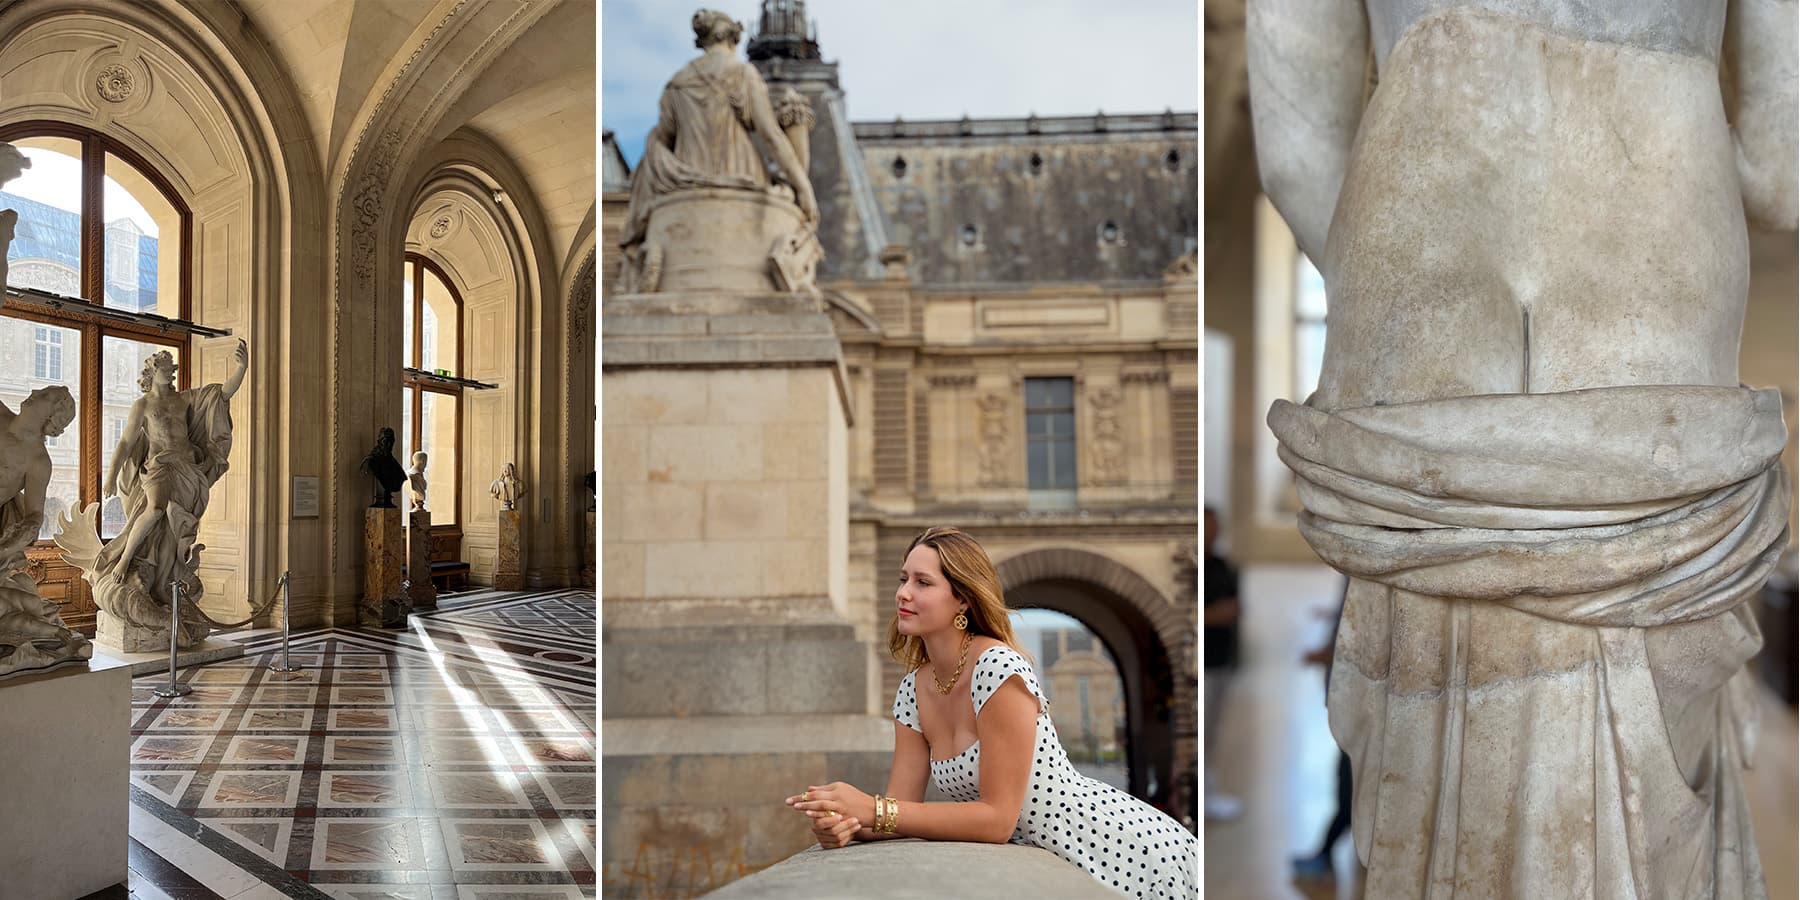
<point x="32" y="636"/>
<point x="415" y="479"/>
<point x="175" y="448"/>
<point x="381" y="465"/>
<point x="507" y="489"/>
<point x="705" y="212"/>
<point x="13" y="163"/>
<point x="1528" y="448"/>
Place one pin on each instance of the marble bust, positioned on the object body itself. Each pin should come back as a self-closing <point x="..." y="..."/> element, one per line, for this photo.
<point x="381" y="465"/>
<point x="507" y="489"/>
<point x="1529" y="449"/>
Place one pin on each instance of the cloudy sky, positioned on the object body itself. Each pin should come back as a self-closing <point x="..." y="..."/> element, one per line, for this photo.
<point x="933" y="59"/>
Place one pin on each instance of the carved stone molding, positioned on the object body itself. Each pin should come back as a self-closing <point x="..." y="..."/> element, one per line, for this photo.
<point x="441" y="227"/>
<point x="1154" y="376"/>
<point x="1106" y="448"/>
<point x="951" y="379"/>
<point x="994" y="461"/>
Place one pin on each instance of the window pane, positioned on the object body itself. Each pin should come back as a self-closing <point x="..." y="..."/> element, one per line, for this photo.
<point x="406" y="326"/>
<point x="1036" y="424"/>
<point x="1042" y="393"/>
<point x="59" y="352"/>
<point x="142" y="245"/>
<point x="1062" y="463"/>
<point x="1309" y="290"/>
<point x="440" y="325"/>
<point x="438" y="436"/>
<point x="1037" y="464"/>
<point x="1062" y="423"/>
<point x="1309" y="357"/>
<point x="46" y="248"/>
<point x="403" y="441"/>
<point x="121" y="365"/>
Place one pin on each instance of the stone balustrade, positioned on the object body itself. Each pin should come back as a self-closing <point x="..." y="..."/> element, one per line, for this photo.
<point x="907" y="868"/>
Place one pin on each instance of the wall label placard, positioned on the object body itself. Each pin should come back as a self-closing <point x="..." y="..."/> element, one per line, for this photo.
<point x="306" y="497"/>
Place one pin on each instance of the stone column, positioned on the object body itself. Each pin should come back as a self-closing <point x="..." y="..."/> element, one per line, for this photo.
<point x="384" y="596"/>
<point x="420" y="592"/>
<point x="509" y="574"/>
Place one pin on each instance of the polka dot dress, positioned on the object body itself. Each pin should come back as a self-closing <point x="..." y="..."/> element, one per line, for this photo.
<point x="1123" y="842"/>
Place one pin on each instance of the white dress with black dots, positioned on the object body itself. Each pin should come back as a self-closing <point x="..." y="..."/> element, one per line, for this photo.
<point x="1122" y="841"/>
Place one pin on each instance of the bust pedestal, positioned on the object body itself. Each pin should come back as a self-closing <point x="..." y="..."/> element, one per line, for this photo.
<point x="589" y="533"/>
<point x="420" y="593"/>
<point x="509" y="571"/>
<point x="384" y="595"/>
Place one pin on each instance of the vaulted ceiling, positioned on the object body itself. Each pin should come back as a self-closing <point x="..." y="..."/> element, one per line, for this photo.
<point x="537" y="103"/>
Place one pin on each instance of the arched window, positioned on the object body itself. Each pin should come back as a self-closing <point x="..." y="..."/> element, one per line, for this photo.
<point x="101" y="227"/>
<point x="431" y="413"/>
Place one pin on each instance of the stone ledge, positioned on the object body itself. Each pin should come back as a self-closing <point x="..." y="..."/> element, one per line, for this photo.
<point x="926" y="870"/>
<point x="733" y="735"/>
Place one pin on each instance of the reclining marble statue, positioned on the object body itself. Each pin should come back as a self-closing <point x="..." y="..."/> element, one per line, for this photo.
<point x="32" y="635"/>
<point x="1529" y="449"/>
<point x="175" y="447"/>
<point x="706" y="213"/>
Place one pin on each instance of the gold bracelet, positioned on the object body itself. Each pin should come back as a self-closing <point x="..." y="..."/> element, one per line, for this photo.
<point x="893" y="816"/>
<point x="876" y="825"/>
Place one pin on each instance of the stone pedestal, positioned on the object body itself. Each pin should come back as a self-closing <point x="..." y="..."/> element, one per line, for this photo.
<point x="117" y="635"/>
<point x="589" y="534"/>
<point x="65" y="738"/>
<point x="718" y="239"/>
<point x="509" y="569"/>
<point x="725" y="482"/>
<point x="420" y="592"/>
<point x="384" y="594"/>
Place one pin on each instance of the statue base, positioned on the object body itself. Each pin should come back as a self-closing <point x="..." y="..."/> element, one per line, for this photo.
<point x="420" y="592"/>
<point x="729" y="240"/>
<point x="589" y="535"/>
<point x="116" y="634"/>
<point x="509" y="571"/>
<point x="384" y="594"/>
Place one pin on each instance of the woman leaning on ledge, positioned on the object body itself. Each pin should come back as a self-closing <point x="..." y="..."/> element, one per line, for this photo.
<point x="1002" y="766"/>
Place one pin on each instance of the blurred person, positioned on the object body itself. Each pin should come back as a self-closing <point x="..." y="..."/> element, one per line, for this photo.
<point x="1220" y="656"/>
<point x="1318" y="865"/>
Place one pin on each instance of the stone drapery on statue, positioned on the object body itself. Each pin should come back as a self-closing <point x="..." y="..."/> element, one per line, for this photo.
<point x="706" y="213"/>
<point x="176" y="446"/>
<point x="1528" y="448"/>
<point x="1542" y="649"/>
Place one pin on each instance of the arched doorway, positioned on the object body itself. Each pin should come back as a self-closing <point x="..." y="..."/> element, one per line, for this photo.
<point x="1140" y="629"/>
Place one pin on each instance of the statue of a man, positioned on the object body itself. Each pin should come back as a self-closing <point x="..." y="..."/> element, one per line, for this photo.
<point x="415" y="479"/>
<point x="1529" y="449"/>
<point x="507" y="489"/>
<point x="174" y="449"/>
<point x="32" y="636"/>
<point x="13" y="163"/>
<point x="176" y="446"/>
<point x="703" y="139"/>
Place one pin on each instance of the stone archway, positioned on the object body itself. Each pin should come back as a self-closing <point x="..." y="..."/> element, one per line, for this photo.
<point x="1147" y="636"/>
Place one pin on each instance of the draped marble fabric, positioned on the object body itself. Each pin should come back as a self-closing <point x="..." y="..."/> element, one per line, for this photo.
<point x="1547" y="610"/>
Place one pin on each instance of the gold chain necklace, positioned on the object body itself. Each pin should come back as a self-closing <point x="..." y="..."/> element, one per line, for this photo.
<point x="961" y="658"/>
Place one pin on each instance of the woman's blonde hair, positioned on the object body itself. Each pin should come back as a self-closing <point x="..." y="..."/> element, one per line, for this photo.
<point x="972" y="580"/>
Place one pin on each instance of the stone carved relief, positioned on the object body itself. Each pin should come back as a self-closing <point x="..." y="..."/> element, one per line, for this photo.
<point x="32" y="636"/>
<point x="994" y="460"/>
<point x="175" y="448"/>
<point x="1106" y="447"/>
<point x="115" y="83"/>
<point x="440" y="227"/>
<point x="712" y="149"/>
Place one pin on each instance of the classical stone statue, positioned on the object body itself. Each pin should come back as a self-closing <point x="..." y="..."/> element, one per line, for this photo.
<point x="381" y="465"/>
<point x="508" y="489"/>
<point x="13" y="163"/>
<point x="415" y="479"/>
<point x="32" y="636"/>
<point x="175" y="448"/>
<point x="704" y="165"/>
<point x="1529" y="449"/>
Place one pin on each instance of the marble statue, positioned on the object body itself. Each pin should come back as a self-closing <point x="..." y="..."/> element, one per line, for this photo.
<point x="704" y="170"/>
<point x="415" y="479"/>
<point x="508" y="489"/>
<point x="13" y="163"/>
<point x="1529" y="449"/>
<point x="32" y="636"/>
<point x="175" y="447"/>
<point x="381" y="465"/>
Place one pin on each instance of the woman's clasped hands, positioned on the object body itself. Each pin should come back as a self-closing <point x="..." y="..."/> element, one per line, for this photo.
<point x="836" y="810"/>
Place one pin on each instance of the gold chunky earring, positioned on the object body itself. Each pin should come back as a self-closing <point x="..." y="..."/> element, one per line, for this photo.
<point x="961" y="622"/>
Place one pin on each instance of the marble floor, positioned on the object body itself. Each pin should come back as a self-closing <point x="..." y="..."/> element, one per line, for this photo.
<point x="1276" y="754"/>
<point x="451" y="760"/>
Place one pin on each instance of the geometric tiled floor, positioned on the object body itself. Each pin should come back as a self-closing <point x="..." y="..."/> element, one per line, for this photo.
<point x="452" y="760"/>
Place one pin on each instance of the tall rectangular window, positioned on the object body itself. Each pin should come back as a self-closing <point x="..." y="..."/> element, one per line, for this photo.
<point x="47" y="363"/>
<point x="1050" y="434"/>
<point x="1309" y="327"/>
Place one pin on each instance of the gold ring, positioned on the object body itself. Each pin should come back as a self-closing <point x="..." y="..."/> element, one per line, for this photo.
<point x="805" y="796"/>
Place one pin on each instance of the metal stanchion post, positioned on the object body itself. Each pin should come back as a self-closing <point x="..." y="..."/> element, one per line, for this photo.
<point x="286" y="664"/>
<point x="174" y="688"/>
